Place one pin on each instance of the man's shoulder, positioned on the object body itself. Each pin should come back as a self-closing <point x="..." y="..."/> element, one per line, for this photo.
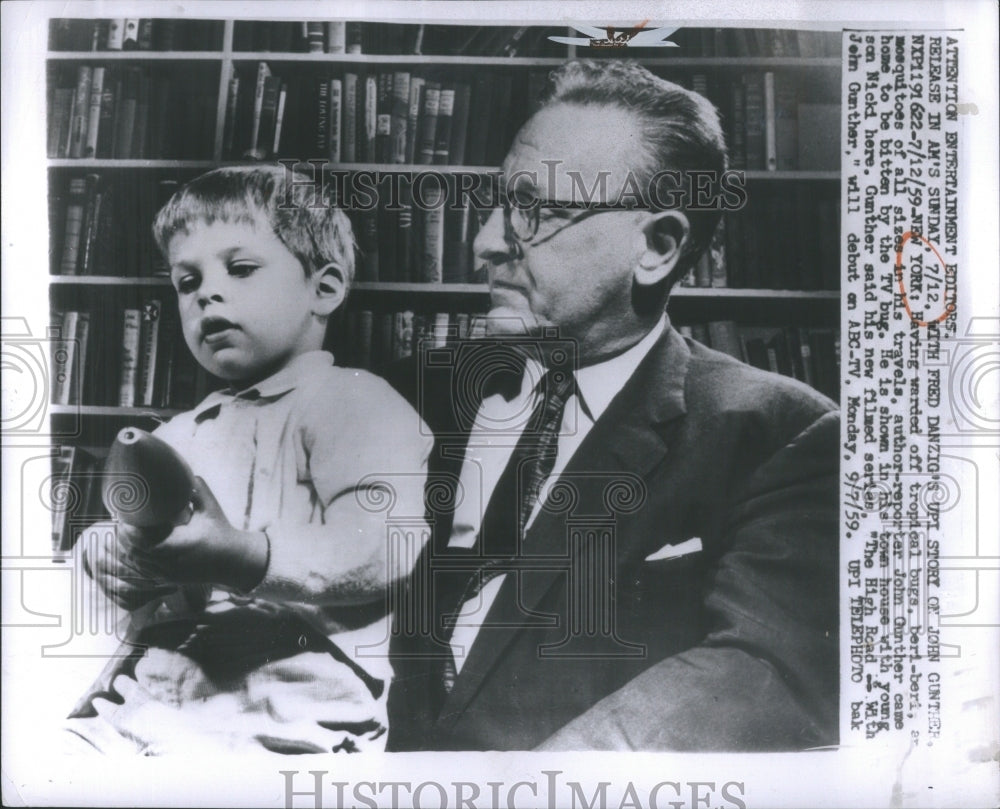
<point x="718" y="386"/>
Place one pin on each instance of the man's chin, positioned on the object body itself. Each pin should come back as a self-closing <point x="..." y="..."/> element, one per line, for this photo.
<point x="510" y="321"/>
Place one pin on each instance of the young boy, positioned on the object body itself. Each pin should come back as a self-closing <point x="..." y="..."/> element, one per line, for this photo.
<point x="267" y="598"/>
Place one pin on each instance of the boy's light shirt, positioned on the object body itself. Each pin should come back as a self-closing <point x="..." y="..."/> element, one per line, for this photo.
<point x="277" y="454"/>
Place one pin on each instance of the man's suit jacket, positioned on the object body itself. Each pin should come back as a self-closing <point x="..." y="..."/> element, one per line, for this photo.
<point x="625" y="635"/>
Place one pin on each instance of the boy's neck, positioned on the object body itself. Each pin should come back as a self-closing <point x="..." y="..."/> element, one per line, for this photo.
<point x="287" y="366"/>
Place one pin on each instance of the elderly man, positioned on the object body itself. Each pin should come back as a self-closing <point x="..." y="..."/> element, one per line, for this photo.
<point x="635" y="544"/>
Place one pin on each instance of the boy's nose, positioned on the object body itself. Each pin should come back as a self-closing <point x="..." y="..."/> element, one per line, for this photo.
<point x="210" y="289"/>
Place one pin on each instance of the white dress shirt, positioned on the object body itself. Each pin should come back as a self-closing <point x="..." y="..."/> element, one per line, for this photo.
<point x="495" y="432"/>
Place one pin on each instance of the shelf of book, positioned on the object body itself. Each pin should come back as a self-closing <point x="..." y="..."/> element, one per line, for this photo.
<point x="791" y="168"/>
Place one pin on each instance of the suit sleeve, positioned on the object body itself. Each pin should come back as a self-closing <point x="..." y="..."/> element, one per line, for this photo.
<point x="765" y="677"/>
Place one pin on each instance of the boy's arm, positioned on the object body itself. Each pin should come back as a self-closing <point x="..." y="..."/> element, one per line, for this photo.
<point x="364" y="451"/>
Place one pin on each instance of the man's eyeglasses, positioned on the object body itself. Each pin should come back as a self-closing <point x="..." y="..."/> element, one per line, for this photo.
<point x="524" y="216"/>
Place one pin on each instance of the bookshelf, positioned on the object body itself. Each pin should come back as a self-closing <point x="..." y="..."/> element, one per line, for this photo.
<point x="174" y="103"/>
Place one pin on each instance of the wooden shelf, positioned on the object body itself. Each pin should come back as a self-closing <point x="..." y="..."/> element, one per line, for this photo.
<point x="786" y="176"/>
<point x="397" y="59"/>
<point x="104" y="411"/>
<point x="128" y="163"/>
<point x="135" y="56"/>
<point x="107" y="281"/>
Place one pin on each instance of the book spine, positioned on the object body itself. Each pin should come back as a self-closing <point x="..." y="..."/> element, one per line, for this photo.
<point x="805" y="352"/>
<point x="79" y="371"/>
<point x="737" y="141"/>
<point x="335" y="118"/>
<point x="130" y="35"/>
<point x="322" y="115"/>
<point x="336" y="37"/>
<point x="754" y="87"/>
<point x="64" y="372"/>
<point x="145" y="36"/>
<point x="770" y="135"/>
<point x="74" y="226"/>
<point x="106" y="125"/>
<point x="263" y="72"/>
<point x="125" y="125"/>
<point x="353" y="37"/>
<point x="81" y="109"/>
<point x="314" y="37"/>
<point x="229" y="129"/>
<point x="149" y="347"/>
<point x="371" y="117"/>
<point x="405" y="234"/>
<point x="62" y="473"/>
<point x="413" y="118"/>
<point x="786" y="125"/>
<point x="141" y="131"/>
<point x="400" y="116"/>
<point x="432" y="248"/>
<point x="166" y="360"/>
<point x="383" y="118"/>
<point x="481" y="106"/>
<point x="459" y="124"/>
<point x="442" y="131"/>
<point x="129" y="368"/>
<point x="428" y="122"/>
<point x="60" y="123"/>
<point x="116" y="34"/>
<point x="350" y="117"/>
<point x="94" y="111"/>
<point x="279" y="119"/>
<point x="88" y="229"/>
<point x="402" y="336"/>
<point x="369" y="244"/>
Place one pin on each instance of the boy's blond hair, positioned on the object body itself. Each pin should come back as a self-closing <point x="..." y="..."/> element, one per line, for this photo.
<point x="314" y="230"/>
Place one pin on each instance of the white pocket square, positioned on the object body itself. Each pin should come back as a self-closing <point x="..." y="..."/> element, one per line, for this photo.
<point x="684" y="548"/>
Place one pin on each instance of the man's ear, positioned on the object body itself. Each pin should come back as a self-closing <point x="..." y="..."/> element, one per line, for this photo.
<point x="330" y="287"/>
<point x="666" y="234"/>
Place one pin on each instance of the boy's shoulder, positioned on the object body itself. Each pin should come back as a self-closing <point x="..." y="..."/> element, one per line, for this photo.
<point x="354" y="397"/>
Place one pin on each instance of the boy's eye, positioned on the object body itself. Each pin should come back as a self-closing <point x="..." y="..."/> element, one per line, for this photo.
<point x="189" y="283"/>
<point x="242" y="269"/>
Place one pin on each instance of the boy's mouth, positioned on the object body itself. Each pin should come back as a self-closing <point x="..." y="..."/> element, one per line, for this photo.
<point x="215" y="328"/>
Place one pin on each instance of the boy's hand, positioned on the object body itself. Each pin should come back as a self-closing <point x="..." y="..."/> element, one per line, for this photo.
<point x="123" y="578"/>
<point x="207" y="549"/>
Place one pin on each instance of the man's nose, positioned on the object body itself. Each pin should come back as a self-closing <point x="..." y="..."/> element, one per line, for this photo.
<point x="492" y="244"/>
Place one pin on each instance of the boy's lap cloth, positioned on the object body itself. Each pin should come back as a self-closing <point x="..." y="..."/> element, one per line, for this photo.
<point x="238" y="676"/>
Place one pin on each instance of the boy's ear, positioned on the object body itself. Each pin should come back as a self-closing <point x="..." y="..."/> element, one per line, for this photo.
<point x="330" y="287"/>
<point x="665" y="234"/>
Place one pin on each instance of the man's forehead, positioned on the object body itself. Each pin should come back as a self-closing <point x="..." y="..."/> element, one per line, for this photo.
<point x="567" y="144"/>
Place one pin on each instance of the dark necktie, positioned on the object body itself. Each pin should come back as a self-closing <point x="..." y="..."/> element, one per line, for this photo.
<point x="514" y="497"/>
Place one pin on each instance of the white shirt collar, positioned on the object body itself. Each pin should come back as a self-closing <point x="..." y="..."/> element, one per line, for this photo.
<point x="598" y="384"/>
<point x="300" y="368"/>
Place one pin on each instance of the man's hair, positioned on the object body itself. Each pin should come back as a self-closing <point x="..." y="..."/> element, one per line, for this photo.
<point x="681" y="129"/>
<point x="314" y="230"/>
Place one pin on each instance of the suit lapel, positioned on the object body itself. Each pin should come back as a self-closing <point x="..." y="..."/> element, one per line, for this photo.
<point x="625" y="444"/>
